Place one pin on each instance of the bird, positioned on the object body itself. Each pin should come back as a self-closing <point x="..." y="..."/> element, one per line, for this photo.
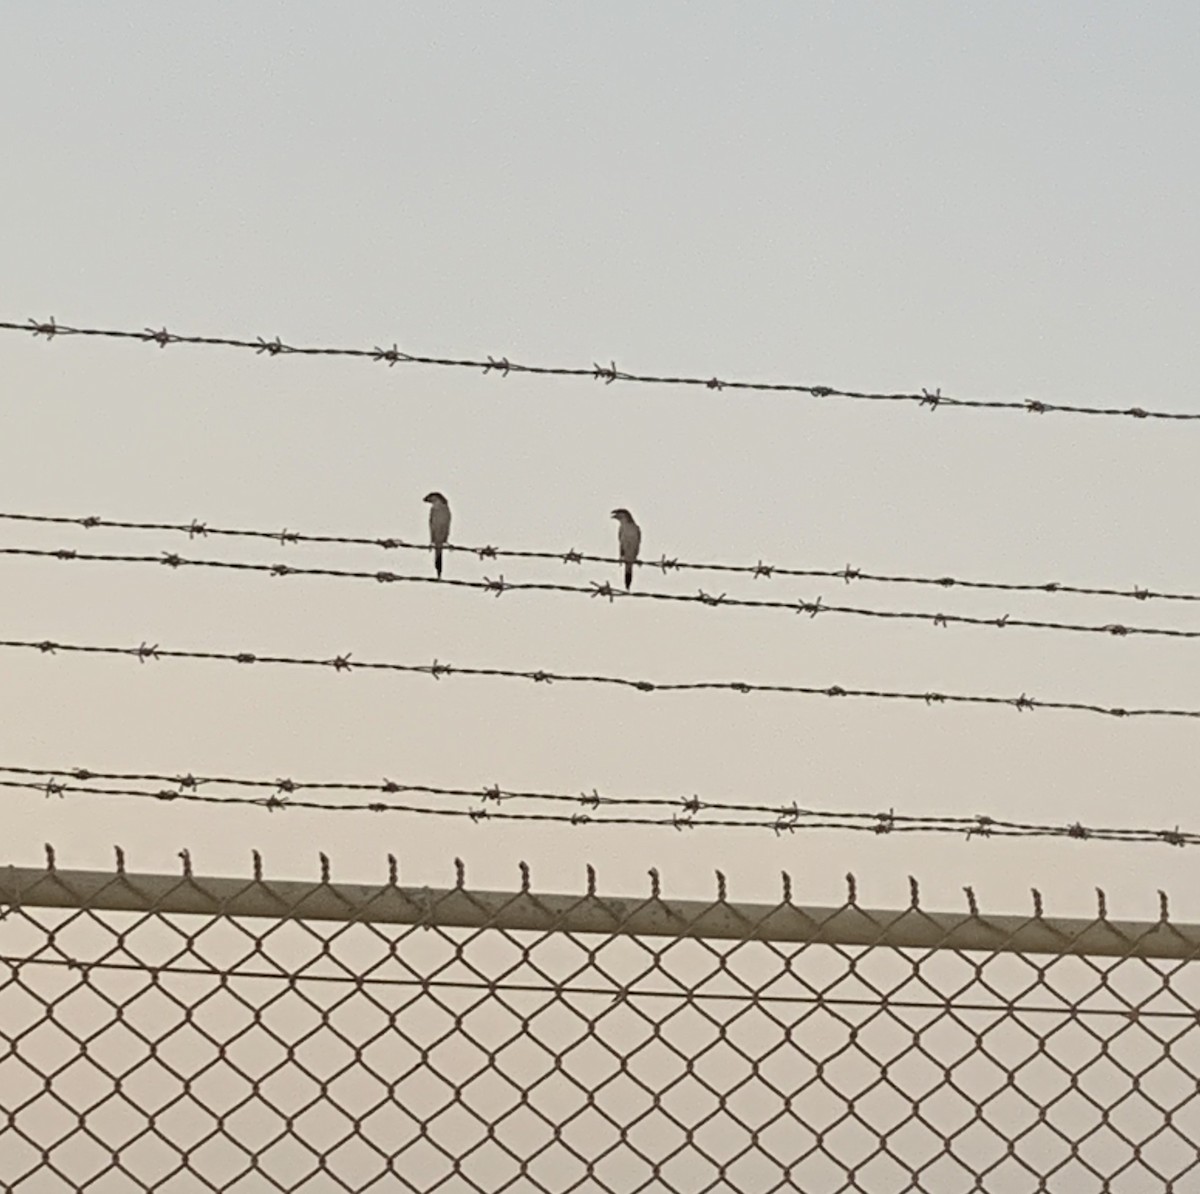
<point x="439" y="526"/>
<point x="629" y="541"/>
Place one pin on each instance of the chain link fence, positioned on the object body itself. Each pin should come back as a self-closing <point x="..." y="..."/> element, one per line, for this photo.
<point x="177" y="1033"/>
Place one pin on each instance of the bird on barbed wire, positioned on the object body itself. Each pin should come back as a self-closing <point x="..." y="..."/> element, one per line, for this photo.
<point x="629" y="542"/>
<point x="439" y="526"/>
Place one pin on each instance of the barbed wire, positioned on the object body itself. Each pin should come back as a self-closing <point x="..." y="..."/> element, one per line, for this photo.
<point x="686" y="812"/>
<point x="198" y="529"/>
<point x="503" y="366"/>
<point x="498" y="586"/>
<point x="146" y="652"/>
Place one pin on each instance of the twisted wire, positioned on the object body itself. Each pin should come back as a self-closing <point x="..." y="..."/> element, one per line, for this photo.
<point x="604" y="589"/>
<point x="146" y="652"/>
<point x="197" y="529"/>
<point x="688" y="812"/>
<point x="503" y="366"/>
<point x="294" y="978"/>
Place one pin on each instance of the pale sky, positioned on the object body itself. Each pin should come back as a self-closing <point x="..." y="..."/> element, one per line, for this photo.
<point x="996" y="200"/>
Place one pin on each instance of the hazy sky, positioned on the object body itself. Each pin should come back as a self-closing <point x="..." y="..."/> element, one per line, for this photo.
<point x="998" y="200"/>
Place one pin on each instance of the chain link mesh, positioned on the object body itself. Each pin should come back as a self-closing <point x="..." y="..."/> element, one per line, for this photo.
<point x="300" y="1037"/>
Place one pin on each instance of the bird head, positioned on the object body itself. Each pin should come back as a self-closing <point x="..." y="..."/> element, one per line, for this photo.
<point x="436" y="498"/>
<point x="622" y="515"/>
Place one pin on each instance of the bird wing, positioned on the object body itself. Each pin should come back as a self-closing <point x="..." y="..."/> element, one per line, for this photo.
<point x="439" y="524"/>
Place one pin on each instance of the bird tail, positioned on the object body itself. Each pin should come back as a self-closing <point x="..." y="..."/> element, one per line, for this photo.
<point x="628" y="574"/>
<point x="437" y="560"/>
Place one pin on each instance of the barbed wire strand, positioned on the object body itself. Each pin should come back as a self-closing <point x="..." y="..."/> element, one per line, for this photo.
<point x="503" y="367"/>
<point x="197" y="529"/>
<point x="146" y="652"/>
<point x="604" y="589"/>
<point x="688" y="812"/>
<point x="283" y="792"/>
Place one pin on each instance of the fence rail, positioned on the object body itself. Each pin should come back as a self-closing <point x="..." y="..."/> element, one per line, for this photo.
<point x="180" y="1032"/>
<point x="461" y="908"/>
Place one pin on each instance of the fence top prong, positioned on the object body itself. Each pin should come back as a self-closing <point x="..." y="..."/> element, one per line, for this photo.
<point x="972" y="905"/>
